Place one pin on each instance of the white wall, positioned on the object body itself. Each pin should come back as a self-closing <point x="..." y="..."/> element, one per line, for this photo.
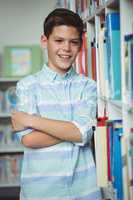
<point x="21" y="21"/>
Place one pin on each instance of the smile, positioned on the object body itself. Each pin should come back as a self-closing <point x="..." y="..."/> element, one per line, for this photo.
<point x="64" y="56"/>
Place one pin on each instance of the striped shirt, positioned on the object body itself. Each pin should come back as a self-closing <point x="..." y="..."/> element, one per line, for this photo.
<point x="64" y="171"/>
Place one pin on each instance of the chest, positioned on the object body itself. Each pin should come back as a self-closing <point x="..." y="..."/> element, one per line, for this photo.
<point x="55" y="100"/>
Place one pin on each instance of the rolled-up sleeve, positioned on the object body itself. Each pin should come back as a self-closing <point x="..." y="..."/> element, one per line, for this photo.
<point x="84" y="114"/>
<point x="25" y="103"/>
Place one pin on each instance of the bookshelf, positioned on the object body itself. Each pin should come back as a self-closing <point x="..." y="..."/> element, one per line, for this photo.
<point x="126" y="8"/>
<point x="109" y="32"/>
<point x="10" y="151"/>
<point x="10" y="189"/>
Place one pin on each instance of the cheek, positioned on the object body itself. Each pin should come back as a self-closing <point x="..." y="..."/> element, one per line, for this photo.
<point x="51" y="51"/>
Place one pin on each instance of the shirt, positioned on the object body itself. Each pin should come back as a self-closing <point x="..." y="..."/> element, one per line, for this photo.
<point x="65" y="171"/>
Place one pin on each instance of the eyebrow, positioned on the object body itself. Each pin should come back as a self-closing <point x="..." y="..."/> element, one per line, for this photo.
<point x="61" y="38"/>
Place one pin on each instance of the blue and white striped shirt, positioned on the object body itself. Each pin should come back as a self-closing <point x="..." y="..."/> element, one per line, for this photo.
<point x="64" y="171"/>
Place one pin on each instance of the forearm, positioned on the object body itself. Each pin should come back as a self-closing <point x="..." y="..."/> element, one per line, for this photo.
<point x="62" y="130"/>
<point x="38" y="139"/>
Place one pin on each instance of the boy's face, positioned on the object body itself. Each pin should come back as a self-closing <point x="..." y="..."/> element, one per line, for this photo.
<point x="63" y="46"/>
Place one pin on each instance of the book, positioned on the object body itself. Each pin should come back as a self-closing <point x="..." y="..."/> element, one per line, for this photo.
<point x="109" y="148"/>
<point x="1" y="101"/>
<point x="125" y="172"/>
<point x="2" y="136"/>
<point x="128" y="60"/>
<point x="2" y="170"/>
<point x="93" y="61"/>
<point x="113" y="54"/>
<point x="101" y="43"/>
<point x="130" y="161"/>
<point x="101" y="153"/>
<point x="10" y="99"/>
<point x="117" y="158"/>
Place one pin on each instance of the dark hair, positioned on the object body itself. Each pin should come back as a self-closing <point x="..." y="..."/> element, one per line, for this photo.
<point x="62" y="16"/>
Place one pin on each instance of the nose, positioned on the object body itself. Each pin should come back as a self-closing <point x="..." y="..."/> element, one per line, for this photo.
<point x="67" y="46"/>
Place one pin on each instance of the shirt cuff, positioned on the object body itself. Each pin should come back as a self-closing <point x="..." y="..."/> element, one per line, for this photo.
<point x="20" y="134"/>
<point x="86" y="133"/>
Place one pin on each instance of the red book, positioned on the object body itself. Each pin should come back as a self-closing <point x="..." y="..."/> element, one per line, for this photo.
<point x="93" y="61"/>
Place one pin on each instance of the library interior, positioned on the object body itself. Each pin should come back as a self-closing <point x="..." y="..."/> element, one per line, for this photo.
<point x="106" y="56"/>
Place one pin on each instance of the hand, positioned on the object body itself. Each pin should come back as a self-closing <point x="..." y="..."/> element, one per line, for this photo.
<point x="20" y="120"/>
<point x="16" y="126"/>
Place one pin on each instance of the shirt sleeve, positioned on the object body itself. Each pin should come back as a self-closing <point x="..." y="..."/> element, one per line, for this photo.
<point x="84" y="116"/>
<point x="25" y="103"/>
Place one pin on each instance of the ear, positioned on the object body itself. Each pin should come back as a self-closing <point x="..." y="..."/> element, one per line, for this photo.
<point x="43" y="41"/>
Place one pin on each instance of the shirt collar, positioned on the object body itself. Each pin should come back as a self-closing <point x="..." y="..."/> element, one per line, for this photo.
<point x="52" y="75"/>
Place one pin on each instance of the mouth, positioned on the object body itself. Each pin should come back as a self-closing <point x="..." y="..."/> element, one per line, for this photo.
<point x="64" y="57"/>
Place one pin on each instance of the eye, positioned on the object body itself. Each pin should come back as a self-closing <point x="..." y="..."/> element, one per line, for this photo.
<point x="59" y="41"/>
<point x="75" y="42"/>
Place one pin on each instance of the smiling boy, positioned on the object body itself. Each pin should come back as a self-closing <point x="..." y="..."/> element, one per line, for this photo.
<point x="58" y="108"/>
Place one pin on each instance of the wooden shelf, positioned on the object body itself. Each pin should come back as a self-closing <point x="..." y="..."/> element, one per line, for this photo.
<point x="5" y="115"/>
<point x="116" y="103"/>
<point x="9" y="184"/>
<point x="5" y="79"/>
<point x="4" y="149"/>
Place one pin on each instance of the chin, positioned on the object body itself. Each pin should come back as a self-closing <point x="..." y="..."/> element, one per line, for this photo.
<point x="66" y="67"/>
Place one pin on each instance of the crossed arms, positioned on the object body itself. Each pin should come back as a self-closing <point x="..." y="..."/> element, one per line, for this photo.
<point x="46" y="132"/>
<point x="38" y="132"/>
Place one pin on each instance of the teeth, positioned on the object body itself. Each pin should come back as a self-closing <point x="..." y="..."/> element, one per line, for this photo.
<point x="63" y="56"/>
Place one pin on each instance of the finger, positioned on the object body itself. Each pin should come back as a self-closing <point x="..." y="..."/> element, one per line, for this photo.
<point x="12" y="121"/>
<point x="12" y="127"/>
<point x="13" y="124"/>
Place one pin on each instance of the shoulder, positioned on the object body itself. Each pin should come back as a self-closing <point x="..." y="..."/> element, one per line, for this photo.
<point x="86" y="81"/>
<point x="29" y="81"/>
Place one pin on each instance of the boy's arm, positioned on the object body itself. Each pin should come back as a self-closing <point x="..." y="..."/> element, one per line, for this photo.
<point x="30" y="137"/>
<point x="78" y="131"/>
<point x="37" y="139"/>
<point x="63" y="130"/>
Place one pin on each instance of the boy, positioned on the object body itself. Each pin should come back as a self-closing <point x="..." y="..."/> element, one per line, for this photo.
<point x="59" y="107"/>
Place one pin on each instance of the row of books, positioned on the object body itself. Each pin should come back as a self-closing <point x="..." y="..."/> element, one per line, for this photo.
<point x="10" y="167"/>
<point x="109" y="57"/>
<point x="105" y="51"/>
<point x="8" y="100"/>
<point x="7" y="137"/>
<point x="84" y="8"/>
<point x="109" y="71"/>
<point x="109" y="60"/>
<point x="114" y="157"/>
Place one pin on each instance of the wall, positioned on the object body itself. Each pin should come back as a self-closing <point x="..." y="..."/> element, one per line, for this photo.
<point x="21" y="21"/>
